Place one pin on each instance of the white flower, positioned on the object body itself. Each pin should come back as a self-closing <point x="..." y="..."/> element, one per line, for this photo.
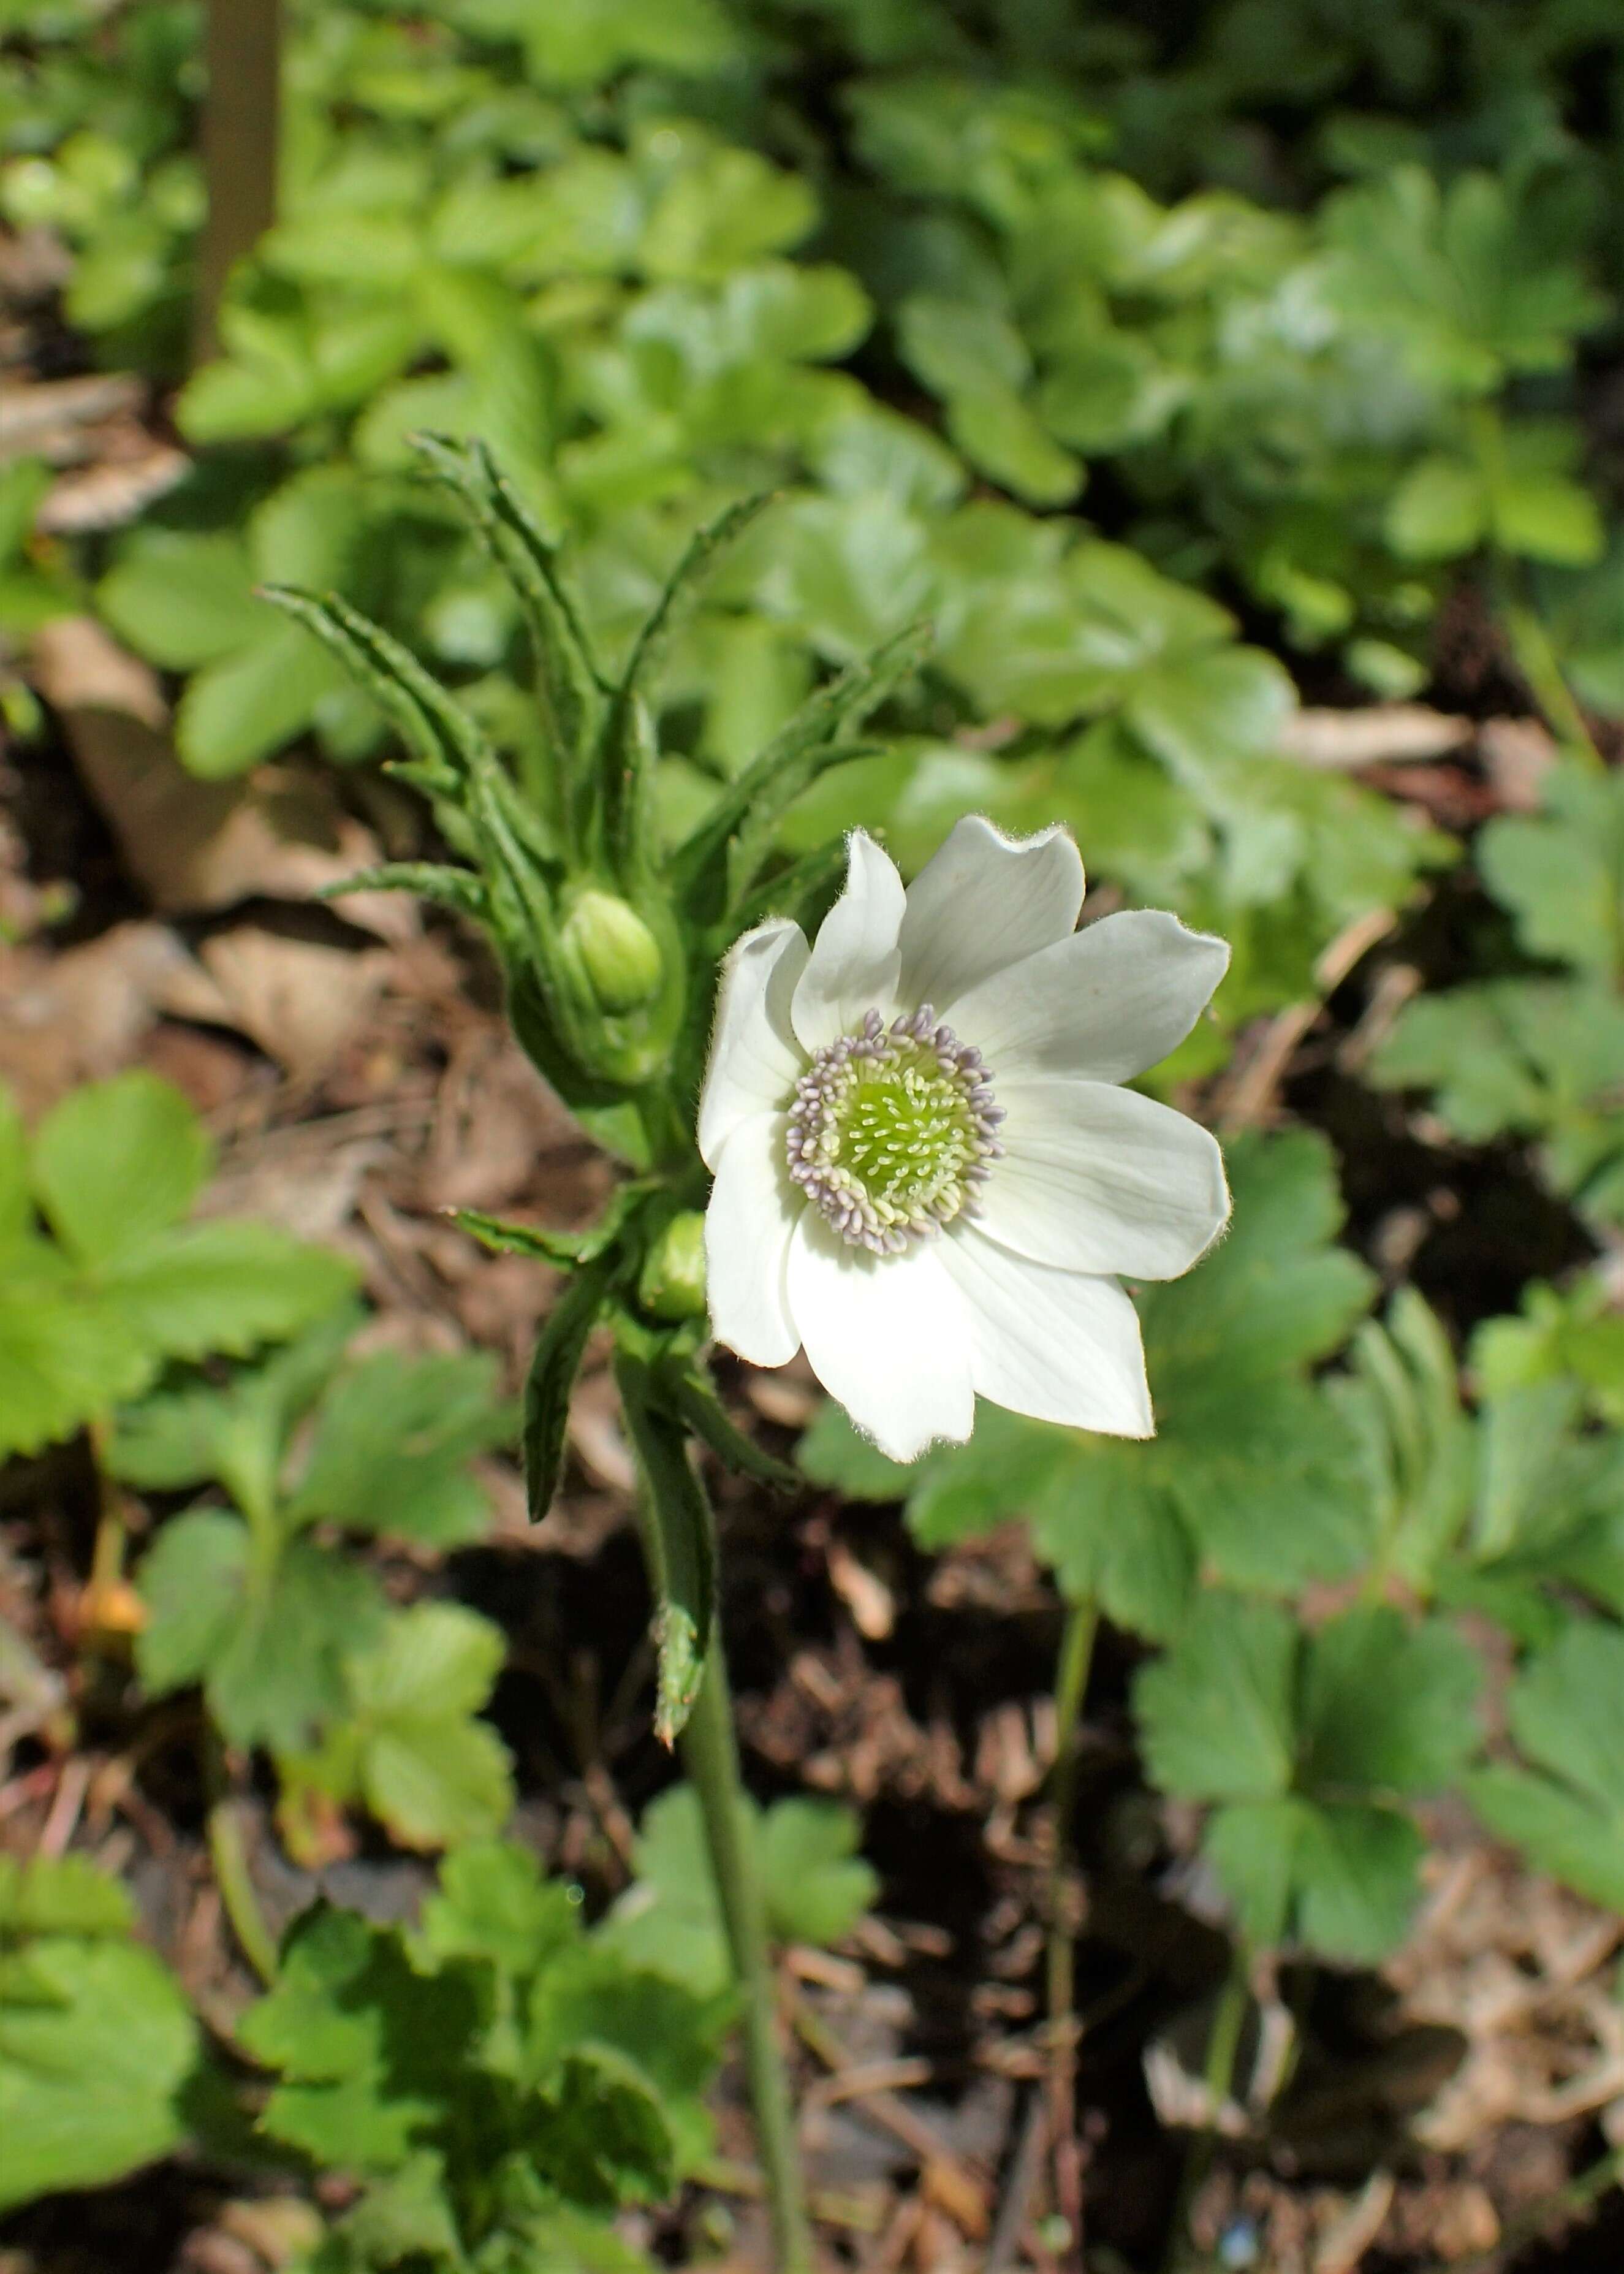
<point x="926" y="1172"/>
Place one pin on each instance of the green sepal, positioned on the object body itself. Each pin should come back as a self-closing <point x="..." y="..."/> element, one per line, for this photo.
<point x="707" y="1417"/>
<point x="626" y="752"/>
<point x="679" y="1542"/>
<point x="569" y="1248"/>
<point x="713" y="869"/>
<point x="552" y="1376"/>
<point x="457" y="763"/>
<point x="450" y="747"/>
<point x="459" y="890"/>
<point x="570" y="684"/>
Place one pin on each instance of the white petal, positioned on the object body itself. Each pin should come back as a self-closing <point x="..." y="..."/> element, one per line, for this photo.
<point x="1059" y="1345"/>
<point x="889" y="1336"/>
<point x="751" y="1215"/>
<point x="983" y="902"/>
<point x="1096" y="1178"/>
<point x="855" y="957"/>
<point x="1107" y="1003"/>
<point x="754" y="1060"/>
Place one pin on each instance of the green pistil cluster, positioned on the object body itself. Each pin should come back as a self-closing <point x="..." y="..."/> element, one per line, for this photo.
<point x="891" y="1130"/>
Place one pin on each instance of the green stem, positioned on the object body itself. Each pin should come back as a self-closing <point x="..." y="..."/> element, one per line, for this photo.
<point x="1071" y="1682"/>
<point x="1221" y="2048"/>
<point x="1076" y="1642"/>
<point x="712" y="1751"/>
<point x="1532" y="650"/>
<point x="1537" y="659"/>
<point x="229" y="1855"/>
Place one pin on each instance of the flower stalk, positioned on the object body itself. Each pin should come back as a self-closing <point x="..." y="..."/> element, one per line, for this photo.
<point x="1077" y="1642"/>
<point x="710" y="1751"/>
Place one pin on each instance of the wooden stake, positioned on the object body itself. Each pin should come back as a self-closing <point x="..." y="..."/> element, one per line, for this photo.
<point x="241" y="116"/>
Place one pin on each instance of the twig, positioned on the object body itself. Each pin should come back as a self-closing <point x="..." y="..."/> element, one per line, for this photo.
<point x="724" y="2176"/>
<point x="1246" y="1096"/>
<point x="575" y="1703"/>
<point x="1342" y="2249"/>
<point x="864" y="2079"/>
<point x="1024" y="2166"/>
<point x="69" y="1799"/>
<point x="1577" y="2195"/>
<point x="958" y="2189"/>
<point x="897" y="2239"/>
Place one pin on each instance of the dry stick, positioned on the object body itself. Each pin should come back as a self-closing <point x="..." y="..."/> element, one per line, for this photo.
<point x="1071" y="1684"/>
<point x="1024" y="2166"/>
<point x="1577" y="2195"/>
<point x="241" y="119"/>
<point x="956" y="2185"/>
<point x="1246" y="1094"/>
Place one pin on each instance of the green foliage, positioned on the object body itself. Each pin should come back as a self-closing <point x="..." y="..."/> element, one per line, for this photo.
<point x="97" y="2042"/>
<point x="1513" y="1511"/>
<point x="1561" y="873"/>
<point x="814" y="1885"/>
<point x="498" y="2083"/>
<point x="1563" y="1801"/>
<point x="186" y="598"/>
<point x="1288" y="300"/>
<point x="1572" y="1332"/>
<point x="408" y="1741"/>
<point x="36" y="583"/>
<point x="1253" y="1474"/>
<point x="1540" y="1058"/>
<point x="1306" y="1747"/>
<point x="624" y="309"/>
<point x="105" y="1279"/>
<point x="289" y="1634"/>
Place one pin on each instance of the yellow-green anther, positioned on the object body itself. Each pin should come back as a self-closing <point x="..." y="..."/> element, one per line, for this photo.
<point x="609" y="944"/>
<point x="673" y="1283"/>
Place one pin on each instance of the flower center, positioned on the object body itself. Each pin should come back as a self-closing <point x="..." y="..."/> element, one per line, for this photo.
<point x="891" y="1130"/>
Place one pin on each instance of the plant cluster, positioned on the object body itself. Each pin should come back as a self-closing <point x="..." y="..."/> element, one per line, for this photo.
<point x="692" y="434"/>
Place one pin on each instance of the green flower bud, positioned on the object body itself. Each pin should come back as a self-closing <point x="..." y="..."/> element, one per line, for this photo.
<point x="673" y="1283"/>
<point x="609" y="945"/>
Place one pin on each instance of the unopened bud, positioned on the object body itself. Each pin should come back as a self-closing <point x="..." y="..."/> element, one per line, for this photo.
<point x="673" y="1280"/>
<point x="613" y="949"/>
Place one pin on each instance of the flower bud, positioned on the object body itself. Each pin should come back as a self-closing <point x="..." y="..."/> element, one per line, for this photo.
<point x="608" y="943"/>
<point x="673" y="1282"/>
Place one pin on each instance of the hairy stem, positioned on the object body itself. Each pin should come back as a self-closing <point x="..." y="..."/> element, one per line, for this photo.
<point x="712" y="1752"/>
